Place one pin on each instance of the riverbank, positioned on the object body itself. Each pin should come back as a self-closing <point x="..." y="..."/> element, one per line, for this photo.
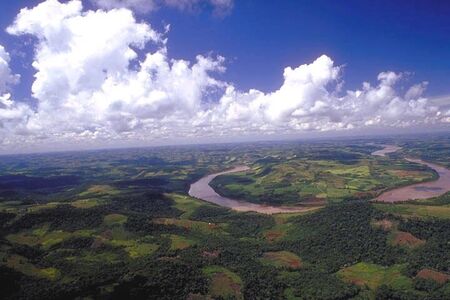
<point x="203" y="191"/>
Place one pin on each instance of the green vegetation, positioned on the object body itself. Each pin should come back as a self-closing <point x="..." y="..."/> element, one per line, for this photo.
<point x="435" y="149"/>
<point x="281" y="259"/>
<point x="113" y="219"/>
<point x="223" y="282"/>
<point x="373" y="276"/>
<point x="413" y="210"/>
<point x="308" y="179"/>
<point x="119" y="224"/>
<point x="180" y="242"/>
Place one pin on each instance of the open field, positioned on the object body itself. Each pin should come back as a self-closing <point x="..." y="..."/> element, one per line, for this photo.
<point x="373" y="276"/>
<point x="281" y="259"/>
<point x="223" y="282"/>
<point x="413" y="210"/>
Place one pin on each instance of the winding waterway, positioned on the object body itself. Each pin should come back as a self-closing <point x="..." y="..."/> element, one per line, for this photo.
<point x="202" y="190"/>
<point x="387" y="149"/>
<point x="419" y="191"/>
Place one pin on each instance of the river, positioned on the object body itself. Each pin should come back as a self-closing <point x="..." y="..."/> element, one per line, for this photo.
<point x="419" y="191"/>
<point x="203" y="191"/>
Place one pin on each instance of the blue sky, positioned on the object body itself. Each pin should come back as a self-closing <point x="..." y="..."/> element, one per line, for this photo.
<point x="292" y="67"/>
<point x="367" y="36"/>
<point x="260" y="38"/>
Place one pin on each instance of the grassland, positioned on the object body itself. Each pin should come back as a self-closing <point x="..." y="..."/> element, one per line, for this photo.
<point x="415" y="210"/>
<point x="223" y="283"/>
<point x="373" y="276"/>
<point x="178" y="242"/>
<point x="281" y="259"/>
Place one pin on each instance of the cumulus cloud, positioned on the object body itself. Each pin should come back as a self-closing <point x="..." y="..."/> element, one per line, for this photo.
<point x="13" y="115"/>
<point x="91" y="85"/>
<point x="143" y="6"/>
<point x="7" y="78"/>
<point x="219" y="7"/>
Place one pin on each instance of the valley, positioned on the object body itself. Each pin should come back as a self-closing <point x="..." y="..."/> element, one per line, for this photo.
<point x="297" y="222"/>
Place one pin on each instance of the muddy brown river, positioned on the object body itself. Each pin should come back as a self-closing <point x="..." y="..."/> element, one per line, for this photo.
<point x="203" y="191"/>
<point x="387" y="149"/>
<point x="418" y="191"/>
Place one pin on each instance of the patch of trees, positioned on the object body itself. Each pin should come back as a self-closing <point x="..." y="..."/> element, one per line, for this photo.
<point x="426" y="285"/>
<point x="83" y="286"/>
<point x="341" y="235"/>
<point x="240" y="224"/>
<point x="33" y="254"/>
<point x="162" y="280"/>
<point x="12" y="182"/>
<point x="263" y="283"/>
<point x="5" y="217"/>
<point x="311" y="284"/>
<point x="248" y="224"/>
<point x="9" y="195"/>
<point x="150" y="203"/>
<point x="425" y="229"/>
<point x="63" y="217"/>
<point x="74" y="243"/>
<point x="10" y="281"/>
<point x="144" y="182"/>
<point x="386" y="293"/>
<point x="143" y="224"/>
<point x="210" y="213"/>
<point x="441" y="200"/>
<point x="435" y="254"/>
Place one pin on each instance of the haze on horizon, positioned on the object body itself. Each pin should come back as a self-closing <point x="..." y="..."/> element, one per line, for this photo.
<point x="89" y="74"/>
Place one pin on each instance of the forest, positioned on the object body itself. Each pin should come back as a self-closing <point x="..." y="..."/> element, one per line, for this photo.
<point x="119" y="224"/>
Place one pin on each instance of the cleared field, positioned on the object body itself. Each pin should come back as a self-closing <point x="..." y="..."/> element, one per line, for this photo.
<point x="282" y="225"/>
<point x="136" y="248"/>
<point x="373" y="276"/>
<point x="203" y="227"/>
<point x="223" y="283"/>
<point x="21" y="264"/>
<point x="439" y="277"/>
<point x="406" y="239"/>
<point x="113" y="219"/>
<point x="87" y="203"/>
<point x="44" y="238"/>
<point x="281" y="259"/>
<point x="179" y="242"/>
<point x="98" y="190"/>
<point x="412" y="210"/>
<point x="186" y="204"/>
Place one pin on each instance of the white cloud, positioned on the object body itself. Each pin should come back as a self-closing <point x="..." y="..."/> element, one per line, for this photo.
<point x="84" y="82"/>
<point x="142" y="6"/>
<point x="13" y="115"/>
<point x="7" y="78"/>
<point x="219" y="7"/>
<point x="92" y="86"/>
<point x="308" y="100"/>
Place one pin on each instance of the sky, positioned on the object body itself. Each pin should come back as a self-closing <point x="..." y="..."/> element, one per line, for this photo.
<point x="115" y="73"/>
